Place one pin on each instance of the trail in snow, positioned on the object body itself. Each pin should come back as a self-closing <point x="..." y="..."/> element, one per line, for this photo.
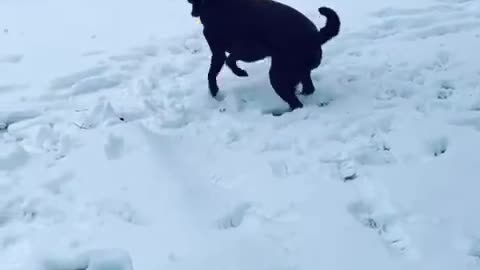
<point x="116" y="157"/>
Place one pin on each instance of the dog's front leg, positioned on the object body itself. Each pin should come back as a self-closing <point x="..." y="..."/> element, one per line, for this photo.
<point x="217" y="61"/>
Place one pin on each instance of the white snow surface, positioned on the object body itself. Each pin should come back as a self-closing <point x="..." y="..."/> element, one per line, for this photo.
<point x="114" y="157"/>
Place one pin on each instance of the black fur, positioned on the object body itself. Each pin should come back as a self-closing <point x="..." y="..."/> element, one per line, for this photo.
<point x="250" y="30"/>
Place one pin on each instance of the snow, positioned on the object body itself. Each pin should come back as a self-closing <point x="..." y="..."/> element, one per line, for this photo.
<point x="114" y="157"/>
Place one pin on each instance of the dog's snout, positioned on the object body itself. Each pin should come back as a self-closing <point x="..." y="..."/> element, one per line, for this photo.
<point x="195" y="12"/>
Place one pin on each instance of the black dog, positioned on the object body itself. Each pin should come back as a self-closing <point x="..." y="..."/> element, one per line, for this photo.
<point x="252" y="52"/>
<point x="251" y="30"/>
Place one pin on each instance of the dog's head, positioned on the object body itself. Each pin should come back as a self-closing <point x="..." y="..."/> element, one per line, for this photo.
<point x="196" y="7"/>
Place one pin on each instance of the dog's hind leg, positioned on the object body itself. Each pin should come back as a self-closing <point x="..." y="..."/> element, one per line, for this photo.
<point x="283" y="82"/>
<point x="247" y="52"/>
<point x="307" y="83"/>
<point x="232" y="64"/>
<point x="217" y="61"/>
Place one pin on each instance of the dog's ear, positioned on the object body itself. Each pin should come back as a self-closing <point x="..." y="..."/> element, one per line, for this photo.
<point x="196" y="7"/>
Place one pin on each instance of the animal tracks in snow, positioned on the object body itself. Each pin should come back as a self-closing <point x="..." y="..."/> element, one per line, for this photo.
<point x="386" y="226"/>
<point x="422" y="23"/>
<point x="87" y="81"/>
<point x="56" y="185"/>
<point x="395" y="12"/>
<point x="438" y="146"/>
<point x="113" y="71"/>
<point x="72" y="79"/>
<point x="94" y="84"/>
<point x="235" y="217"/>
<point x="378" y="101"/>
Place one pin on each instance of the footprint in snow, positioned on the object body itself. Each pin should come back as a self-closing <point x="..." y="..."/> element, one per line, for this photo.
<point x="437" y="146"/>
<point x="386" y="227"/>
<point x="347" y="169"/>
<point x="446" y="89"/>
<point x="114" y="147"/>
<point x="56" y="185"/>
<point x="234" y="218"/>
<point x="123" y="211"/>
<point x="27" y="209"/>
<point x="101" y="114"/>
<point x="373" y="155"/>
<point x="279" y="168"/>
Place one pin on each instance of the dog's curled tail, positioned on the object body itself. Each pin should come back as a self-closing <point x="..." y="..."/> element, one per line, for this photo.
<point x="331" y="28"/>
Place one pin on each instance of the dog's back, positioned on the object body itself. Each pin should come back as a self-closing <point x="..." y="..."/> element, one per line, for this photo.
<point x="268" y="22"/>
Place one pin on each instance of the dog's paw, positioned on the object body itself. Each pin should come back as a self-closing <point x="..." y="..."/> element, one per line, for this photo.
<point x="307" y="91"/>
<point x="213" y="90"/>
<point x="277" y="111"/>
<point x="219" y="97"/>
<point x="240" y="72"/>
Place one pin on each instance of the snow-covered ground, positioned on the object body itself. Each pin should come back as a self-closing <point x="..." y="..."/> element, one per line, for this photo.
<point x="114" y="157"/>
